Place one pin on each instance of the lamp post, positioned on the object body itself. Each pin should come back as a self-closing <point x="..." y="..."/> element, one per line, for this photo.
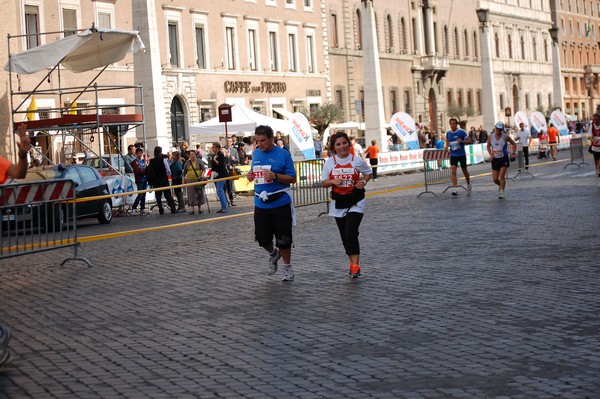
<point x="557" y="88"/>
<point x="487" y="72"/>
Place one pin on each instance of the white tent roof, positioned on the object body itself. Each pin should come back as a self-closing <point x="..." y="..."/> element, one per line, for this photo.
<point x="243" y="119"/>
<point x="79" y="53"/>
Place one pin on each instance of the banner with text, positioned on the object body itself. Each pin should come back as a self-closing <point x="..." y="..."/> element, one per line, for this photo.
<point x="302" y="135"/>
<point x="404" y="126"/>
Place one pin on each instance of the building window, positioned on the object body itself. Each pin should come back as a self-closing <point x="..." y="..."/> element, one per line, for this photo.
<point x="388" y="32"/>
<point x="339" y="99"/>
<point x="567" y="86"/>
<point x="69" y="16"/>
<point x="310" y="54"/>
<point x="527" y="104"/>
<point x="403" y="42"/>
<point x="456" y="44"/>
<point x="200" y="47"/>
<point x="393" y="101"/>
<point x="522" y="48"/>
<point x="497" y="44"/>
<point x="450" y="97"/>
<point x="273" y="51"/>
<point x="459" y="98"/>
<point x="32" y="26"/>
<point x="173" y="44"/>
<point x="230" y="47"/>
<point x="292" y="53"/>
<point x="308" y="4"/>
<point x="407" y="102"/>
<point x="358" y="30"/>
<point x="475" y="47"/>
<point x="470" y="98"/>
<point x="510" y="52"/>
<point x="478" y="99"/>
<point x="252" y="50"/>
<point x="502" y="101"/>
<point x="535" y="50"/>
<point x="466" y="44"/>
<point x="334" y="31"/>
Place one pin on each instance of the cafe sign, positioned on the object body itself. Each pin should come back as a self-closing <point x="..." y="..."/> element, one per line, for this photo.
<point x="245" y="87"/>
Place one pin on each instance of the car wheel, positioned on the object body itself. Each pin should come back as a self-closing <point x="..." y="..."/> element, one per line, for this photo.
<point x="105" y="212"/>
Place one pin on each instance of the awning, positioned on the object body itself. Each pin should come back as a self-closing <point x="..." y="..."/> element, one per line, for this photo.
<point x="79" y="53"/>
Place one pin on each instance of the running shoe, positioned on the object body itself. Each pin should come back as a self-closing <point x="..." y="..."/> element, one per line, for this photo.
<point x="288" y="273"/>
<point x="501" y="194"/>
<point x="455" y="193"/>
<point x="469" y="189"/>
<point x="273" y="262"/>
<point x="354" y="271"/>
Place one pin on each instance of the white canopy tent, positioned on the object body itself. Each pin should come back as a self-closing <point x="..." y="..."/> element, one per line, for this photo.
<point x="92" y="48"/>
<point x="243" y="119"/>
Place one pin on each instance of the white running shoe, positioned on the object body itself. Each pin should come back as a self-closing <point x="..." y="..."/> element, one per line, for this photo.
<point x="273" y="262"/>
<point x="501" y="194"/>
<point x="288" y="273"/>
<point x="469" y="189"/>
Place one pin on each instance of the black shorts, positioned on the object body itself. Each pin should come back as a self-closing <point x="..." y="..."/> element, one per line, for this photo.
<point x="499" y="163"/>
<point x="273" y="222"/>
<point x="462" y="160"/>
<point x="596" y="155"/>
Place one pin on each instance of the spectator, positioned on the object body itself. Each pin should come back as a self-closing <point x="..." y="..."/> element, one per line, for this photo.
<point x="18" y="170"/>
<point x="372" y="152"/>
<point x="524" y="137"/>
<point x="139" y="170"/>
<point x="355" y="148"/>
<point x="473" y="135"/>
<point x="482" y="135"/>
<point x="129" y="158"/>
<point x="160" y="178"/>
<point x="422" y="139"/>
<point x="219" y="171"/>
<point x="395" y="142"/>
<point x="272" y="172"/>
<point x="318" y="146"/>
<point x="177" y="180"/>
<point x="553" y="140"/>
<point x="194" y="170"/>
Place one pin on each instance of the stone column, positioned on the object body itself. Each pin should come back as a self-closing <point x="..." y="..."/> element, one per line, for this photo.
<point x="557" y="87"/>
<point x="374" y="111"/>
<point x="429" y="33"/>
<point x="147" y="72"/>
<point x="487" y="77"/>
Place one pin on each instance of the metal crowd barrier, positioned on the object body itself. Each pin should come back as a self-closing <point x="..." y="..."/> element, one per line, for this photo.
<point x="436" y="169"/>
<point x="38" y="216"/>
<point x="576" y="153"/>
<point x="308" y="189"/>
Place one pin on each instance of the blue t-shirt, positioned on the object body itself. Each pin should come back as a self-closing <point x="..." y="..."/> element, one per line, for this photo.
<point x="277" y="160"/>
<point x="456" y="149"/>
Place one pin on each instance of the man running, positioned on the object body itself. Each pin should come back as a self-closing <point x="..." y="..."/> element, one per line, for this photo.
<point x="273" y="172"/>
<point x="456" y="139"/>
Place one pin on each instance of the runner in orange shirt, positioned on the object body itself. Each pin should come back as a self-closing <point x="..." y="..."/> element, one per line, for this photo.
<point x="554" y="139"/>
<point x="372" y="152"/>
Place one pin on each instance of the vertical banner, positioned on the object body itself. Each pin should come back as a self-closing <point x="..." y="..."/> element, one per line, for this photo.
<point x="521" y="117"/>
<point x="404" y="126"/>
<point x="538" y="121"/>
<point x="559" y="120"/>
<point x="302" y="135"/>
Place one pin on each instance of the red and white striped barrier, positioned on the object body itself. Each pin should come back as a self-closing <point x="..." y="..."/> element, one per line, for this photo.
<point x="37" y="192"/>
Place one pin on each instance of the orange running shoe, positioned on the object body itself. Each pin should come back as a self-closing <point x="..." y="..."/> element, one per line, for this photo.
<point x="354" y="271"/>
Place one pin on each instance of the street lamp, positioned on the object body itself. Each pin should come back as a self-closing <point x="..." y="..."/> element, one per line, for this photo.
<point x="487" y="72"/>
<point x="554" y="34"/>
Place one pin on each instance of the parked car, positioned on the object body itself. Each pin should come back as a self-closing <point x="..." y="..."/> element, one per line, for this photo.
<point x="87" y="183"/>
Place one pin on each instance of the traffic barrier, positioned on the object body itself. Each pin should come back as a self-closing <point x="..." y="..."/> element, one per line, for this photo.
<point x="308" y="189"/>
<point x="38" y="216"/>
<point x="436" y="169"/>
<point x="576" y="153"/>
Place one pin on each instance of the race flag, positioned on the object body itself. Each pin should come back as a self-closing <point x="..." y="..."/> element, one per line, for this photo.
<point x="32" y="110"/>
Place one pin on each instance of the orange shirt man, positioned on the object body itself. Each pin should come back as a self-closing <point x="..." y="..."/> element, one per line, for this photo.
<point x="554" y="139"/>
<point x="373" y="153"/>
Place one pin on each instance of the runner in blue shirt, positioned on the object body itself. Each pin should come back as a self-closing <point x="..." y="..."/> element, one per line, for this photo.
<point x="456" y="138"/>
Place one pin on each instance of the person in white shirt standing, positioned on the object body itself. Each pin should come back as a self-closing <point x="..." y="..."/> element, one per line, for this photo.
<point x="524" y="137"/>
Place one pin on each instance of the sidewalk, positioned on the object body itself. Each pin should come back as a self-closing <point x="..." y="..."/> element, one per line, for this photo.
<point x="468" y="297"/>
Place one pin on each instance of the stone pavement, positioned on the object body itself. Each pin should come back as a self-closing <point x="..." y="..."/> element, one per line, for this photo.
<point x="468" y="297"/>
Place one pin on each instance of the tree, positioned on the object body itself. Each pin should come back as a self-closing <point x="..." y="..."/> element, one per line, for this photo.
<point x="321" y="117"/>
<point x="456" y="111"/>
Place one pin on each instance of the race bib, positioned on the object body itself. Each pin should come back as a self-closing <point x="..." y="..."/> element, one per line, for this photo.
<point x="454" y="145"/>
<point x="259" y="174"/>
<point x="346" y="175"/>
<point x="497" y="153"/>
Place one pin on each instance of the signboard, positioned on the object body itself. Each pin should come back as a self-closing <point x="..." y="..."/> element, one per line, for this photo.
<point x="559" y="120"/>
<point x="404" y="126"/>
<point x="302" y="135"/>
<point x="521" y="117"/>
<point x="538" y="121"/>
<point x="224" y="113"/>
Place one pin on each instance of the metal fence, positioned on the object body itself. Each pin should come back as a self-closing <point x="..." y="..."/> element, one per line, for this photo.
<point x="308" y="189"/>
<point x="520" y="160"/>
<point x="38" y="216"/>
<point x="436" y="169"/>
<point x="576" y="153"/>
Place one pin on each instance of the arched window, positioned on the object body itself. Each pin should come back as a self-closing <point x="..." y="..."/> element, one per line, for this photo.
<point x="497" y="44"/>
<point x="358" y="30"/>
<point x="403" y="36"/>
<point x="522" y="48"/>
<point x="546" y="51"/>
<point x="445" y="41"/>
<point x="535" y="50"/>
<point x="510" y="53"/>
<point x="466" y="44"/>
<point x="456" y="44"/>
<point x="389" y="35"/>
<point x="475" y="46"/>
<point x="178" y="132"/>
